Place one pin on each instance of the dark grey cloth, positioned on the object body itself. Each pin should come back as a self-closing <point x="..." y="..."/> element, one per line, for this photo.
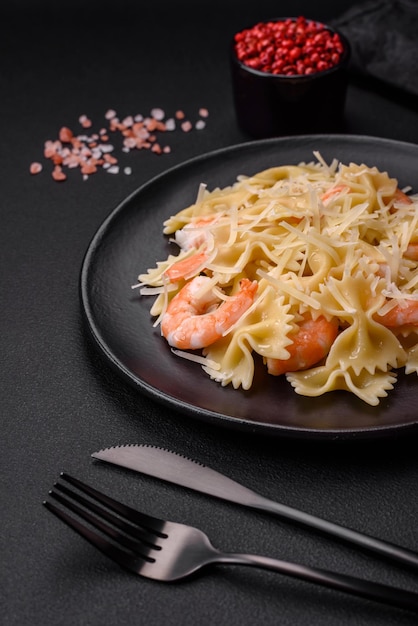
<point x="384" y="41"/>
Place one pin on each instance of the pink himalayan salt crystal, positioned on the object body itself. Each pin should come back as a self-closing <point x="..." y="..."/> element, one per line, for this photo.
<point x="35" y="167"/>
<point x="186" y="126"/>
<point x="90" y="152"/>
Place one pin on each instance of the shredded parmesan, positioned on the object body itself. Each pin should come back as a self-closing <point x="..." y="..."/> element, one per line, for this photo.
<point x="333" y="253"/>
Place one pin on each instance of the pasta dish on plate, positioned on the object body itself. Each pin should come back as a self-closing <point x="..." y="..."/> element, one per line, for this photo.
<point x="311" y="269"/>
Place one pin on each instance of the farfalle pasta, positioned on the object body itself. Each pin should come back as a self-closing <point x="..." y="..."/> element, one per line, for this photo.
<point x="310" y="269"/>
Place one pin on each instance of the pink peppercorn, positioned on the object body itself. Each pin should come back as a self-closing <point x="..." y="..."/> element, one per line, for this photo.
<point x="291" y="47"/>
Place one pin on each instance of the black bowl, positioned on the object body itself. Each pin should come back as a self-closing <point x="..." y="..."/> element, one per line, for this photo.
<point x="270" y="105"/>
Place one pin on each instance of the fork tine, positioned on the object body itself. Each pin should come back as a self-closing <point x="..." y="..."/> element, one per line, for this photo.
<point x="146" y="521"/>
<point x="131" y="548"/>
<point x="113" y="551"/>
<point x="134" y="544"/>
<point x="138" y="533"/>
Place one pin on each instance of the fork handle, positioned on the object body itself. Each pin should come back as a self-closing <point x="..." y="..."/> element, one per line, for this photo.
<point x="393" y="596"/>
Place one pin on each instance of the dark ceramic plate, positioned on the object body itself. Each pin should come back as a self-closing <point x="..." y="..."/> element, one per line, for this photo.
<point x="131" y="240"/>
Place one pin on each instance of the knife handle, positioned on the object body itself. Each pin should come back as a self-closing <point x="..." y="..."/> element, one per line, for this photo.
<point x="384" y="548"/>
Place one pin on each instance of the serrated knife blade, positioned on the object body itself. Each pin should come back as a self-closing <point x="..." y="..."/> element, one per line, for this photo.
<point x="180" y="470"/>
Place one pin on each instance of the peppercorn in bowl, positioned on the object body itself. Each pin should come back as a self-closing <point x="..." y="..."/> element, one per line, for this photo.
<point x="289" y="76"/>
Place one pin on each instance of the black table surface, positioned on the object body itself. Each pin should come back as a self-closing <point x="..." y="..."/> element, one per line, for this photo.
<point x="60" y="401"/>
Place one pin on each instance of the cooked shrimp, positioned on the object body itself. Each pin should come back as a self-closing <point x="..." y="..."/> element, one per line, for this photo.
<point x="311" y="343"/>
<point x="195" y="319"/>
<point x="412" y="251"/>
<point x="194" y="234"/>
<point x="334" y="191"/>
<point x="186" y="267"/>
<point x="401" y="197"/>
<point x="405" y="314"/>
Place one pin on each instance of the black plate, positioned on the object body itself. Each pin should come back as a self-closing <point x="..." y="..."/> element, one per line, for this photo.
<point x="131" y="240"/>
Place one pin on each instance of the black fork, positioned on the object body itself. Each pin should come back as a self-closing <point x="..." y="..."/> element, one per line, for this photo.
<point x="168" y="551"/>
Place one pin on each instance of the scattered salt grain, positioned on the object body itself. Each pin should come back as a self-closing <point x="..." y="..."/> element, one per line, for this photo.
<point x="158" y="114"/>
<point x="58" y="174"/>
<point x="85" y="121"/>
<point x="186" y="126"/>
<point x="91" y="152"/>
<point x="129" y="142"/>
<point x="106" y="147"/>
<point x="35" y="168"/>
<point x="65" y="134"/>
<point x="170" y="124"/>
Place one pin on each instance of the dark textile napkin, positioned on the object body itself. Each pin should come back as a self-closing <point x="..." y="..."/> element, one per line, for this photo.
<point x="383" y="35"/>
